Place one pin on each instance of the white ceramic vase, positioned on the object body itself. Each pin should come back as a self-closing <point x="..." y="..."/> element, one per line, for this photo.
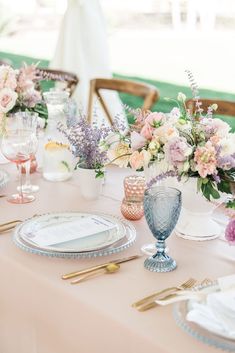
<point x="196" y="222"/>
<point x="90" y="186"/>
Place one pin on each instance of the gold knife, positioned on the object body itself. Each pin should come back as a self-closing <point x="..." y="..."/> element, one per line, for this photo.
<point x="93" y="268"/>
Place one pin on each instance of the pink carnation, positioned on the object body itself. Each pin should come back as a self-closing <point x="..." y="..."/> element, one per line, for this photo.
<point x="205" y="158"/>
<point x="177" y="150"/>
<point x="230" y="232"/>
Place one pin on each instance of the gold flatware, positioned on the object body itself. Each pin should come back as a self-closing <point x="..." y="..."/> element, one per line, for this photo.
<point x="192" y="292"/>
<point x="94" y="268"/>
<point x="153" y="304"/>
<point x="188" y="284"/>
<point x="3" y="196"/>
<point x="109" y="269"/>
<point x="9" y="225"/>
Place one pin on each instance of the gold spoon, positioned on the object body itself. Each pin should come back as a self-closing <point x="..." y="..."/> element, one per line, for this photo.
<point x="109" y="269"/>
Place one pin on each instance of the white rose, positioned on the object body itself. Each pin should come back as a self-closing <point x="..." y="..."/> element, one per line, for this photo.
<point x="7" y="99"/>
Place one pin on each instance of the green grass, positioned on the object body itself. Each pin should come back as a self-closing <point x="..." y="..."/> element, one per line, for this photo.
<point x="166" y="89"/>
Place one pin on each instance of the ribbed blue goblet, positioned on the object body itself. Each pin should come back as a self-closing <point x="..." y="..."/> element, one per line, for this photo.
<point x="162" y="206"/>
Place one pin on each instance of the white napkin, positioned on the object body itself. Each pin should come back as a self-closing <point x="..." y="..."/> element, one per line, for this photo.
<point x="217" y="313"/>
<point x="70" y="230"/>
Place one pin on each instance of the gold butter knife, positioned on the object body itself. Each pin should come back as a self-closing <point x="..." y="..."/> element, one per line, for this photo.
<point x="93" y="268"/>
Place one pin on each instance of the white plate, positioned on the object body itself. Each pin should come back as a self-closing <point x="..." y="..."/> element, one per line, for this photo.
<point x="114" y="248"/>
<point x="85" y="244"/>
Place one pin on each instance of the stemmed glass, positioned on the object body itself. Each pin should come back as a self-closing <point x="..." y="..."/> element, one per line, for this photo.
<point x="32" y="117"/>
<point x="162" y="206"/>
<point x="19" y="144"/>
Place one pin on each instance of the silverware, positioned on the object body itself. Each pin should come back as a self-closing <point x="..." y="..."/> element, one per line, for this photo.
<point x="11" y="224"/>
<point x="193" y="293"/>
<point x="109" y="269"/>
<point x="93" y="268"/>
<point x="148" y="302"/>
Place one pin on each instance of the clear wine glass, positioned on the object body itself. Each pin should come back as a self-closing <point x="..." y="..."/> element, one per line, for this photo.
<point x="162" y="206"/>
<point x="19" y="144"/>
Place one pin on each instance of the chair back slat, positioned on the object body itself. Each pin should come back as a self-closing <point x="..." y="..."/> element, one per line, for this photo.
<point x="224" y="107"/>
<point x="146" y="91"/>
<point x="69" y="78"/>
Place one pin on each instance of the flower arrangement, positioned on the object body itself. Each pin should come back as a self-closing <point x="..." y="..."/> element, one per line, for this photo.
<point x="18" y="90"/>
<point x="85" y="140"/>
<point x="230" y="232"/>
<point x="188" y="145"/>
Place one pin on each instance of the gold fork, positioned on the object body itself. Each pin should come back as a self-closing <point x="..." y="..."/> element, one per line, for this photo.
<point x="204" y="282"/>
<point x="184" y="285"/>
<point x="149" y="305"/>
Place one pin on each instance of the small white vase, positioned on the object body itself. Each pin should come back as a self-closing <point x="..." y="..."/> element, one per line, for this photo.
<point x="195" y="221"/>
<point x="90" y="186"/>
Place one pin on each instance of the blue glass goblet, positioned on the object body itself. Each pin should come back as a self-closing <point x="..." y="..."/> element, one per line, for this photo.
<point x="162" y="207"/>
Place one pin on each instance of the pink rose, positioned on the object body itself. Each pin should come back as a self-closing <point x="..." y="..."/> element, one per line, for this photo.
<point x="155" y="119"/>
<point x="7" y="99"/>
<point x="147" y="131"/>
<point x="137" y="141"/>
<point x="136" y="160"/>
<point x="7" y="77"/>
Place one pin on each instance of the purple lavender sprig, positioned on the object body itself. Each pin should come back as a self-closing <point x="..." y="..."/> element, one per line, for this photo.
<point x="195" y="92"/>
<point x="85" y="141"/>
<point x="160" y="177"/>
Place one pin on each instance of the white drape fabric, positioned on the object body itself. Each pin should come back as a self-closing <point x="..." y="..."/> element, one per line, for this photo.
<point x="82" y="48"/>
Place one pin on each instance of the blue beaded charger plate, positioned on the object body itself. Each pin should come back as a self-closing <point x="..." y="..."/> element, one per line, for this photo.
<point x="101" y="244"/>
<point x="217" y="340"/>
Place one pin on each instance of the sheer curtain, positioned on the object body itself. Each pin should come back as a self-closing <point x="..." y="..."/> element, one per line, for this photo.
<point x="82" y="48"/>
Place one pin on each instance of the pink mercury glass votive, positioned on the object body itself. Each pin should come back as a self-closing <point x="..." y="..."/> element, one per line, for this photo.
<point x="132" y="204"/>
<point x="134" y="187"/>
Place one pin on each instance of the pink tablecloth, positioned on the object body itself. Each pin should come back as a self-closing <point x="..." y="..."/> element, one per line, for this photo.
<point x="40" y="313"/>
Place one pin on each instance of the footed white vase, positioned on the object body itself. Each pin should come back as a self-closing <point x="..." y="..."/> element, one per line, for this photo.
<point x="90" y="186"/>
<point x="195" y="221"/>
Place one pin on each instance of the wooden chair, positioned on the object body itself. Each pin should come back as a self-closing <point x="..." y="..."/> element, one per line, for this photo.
<point x="148" y="92"/>
<point x="224" y="107"/>
<point x="70" y="79"/>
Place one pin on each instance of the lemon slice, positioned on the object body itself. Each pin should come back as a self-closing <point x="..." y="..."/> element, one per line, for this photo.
<point x="55" y="146"/>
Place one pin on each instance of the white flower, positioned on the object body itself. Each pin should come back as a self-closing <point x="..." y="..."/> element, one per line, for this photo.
<point x="227" y="145"/>
<point x="166" y="132"/>
<point x="7" y="99"/>
<point x="137" y="141"/>
<point x="181" y="97"/>
<point x="112" y="140"/>
<point x="146" y="157"/>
